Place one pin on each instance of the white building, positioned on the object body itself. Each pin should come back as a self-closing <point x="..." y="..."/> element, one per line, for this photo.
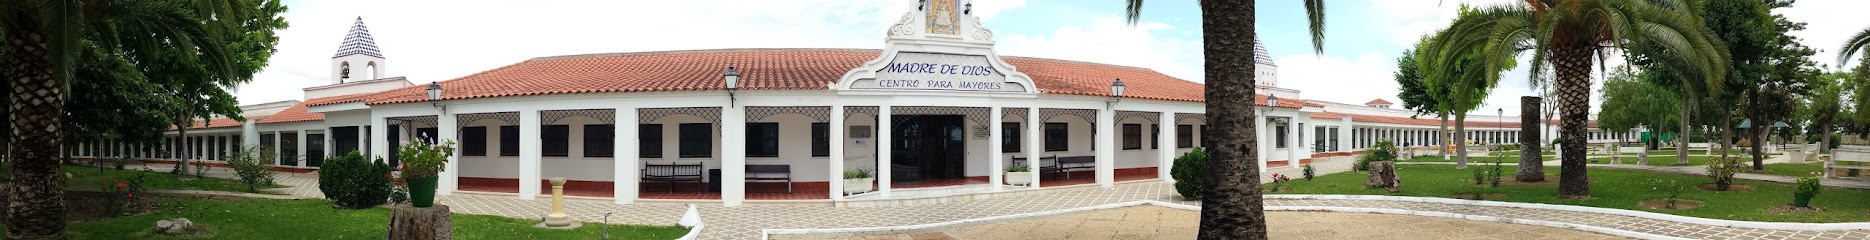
<point x="936" y="104"/>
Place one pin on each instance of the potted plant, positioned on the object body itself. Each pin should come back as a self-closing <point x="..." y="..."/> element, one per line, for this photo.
<point x="1018" y="175"/>
<point x="857" y="181"/>
<point x="421" y="163"/>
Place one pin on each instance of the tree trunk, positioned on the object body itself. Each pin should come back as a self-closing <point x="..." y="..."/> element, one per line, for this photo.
<point x="1727" y="133"/>
<point x="1460" y="141"/>
<point x="1572" y="67"/>
<point x="1756" y="132"/>
<point x="413" y="223"/>
<point x="1824" y="138"/>
<point x="1531" y="164"/>
<point x="1681" y="152"/>
<point x="36" y="208"/>
<point x="1443" y="136"/>
<point x="1232" y="206"/>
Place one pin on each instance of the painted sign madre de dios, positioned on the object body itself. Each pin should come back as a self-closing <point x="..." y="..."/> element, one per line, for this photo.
<point x="934" y="71"/>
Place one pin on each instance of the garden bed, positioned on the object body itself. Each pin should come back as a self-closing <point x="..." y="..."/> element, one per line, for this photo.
<point x="237" y="218"/>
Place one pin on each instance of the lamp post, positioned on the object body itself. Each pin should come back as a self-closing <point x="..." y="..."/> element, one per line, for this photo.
<point x="1271" y="102"/>
<point x="1116" y="93"/>
<point x="1500" y="123"/>
<point x="732" y="79"/>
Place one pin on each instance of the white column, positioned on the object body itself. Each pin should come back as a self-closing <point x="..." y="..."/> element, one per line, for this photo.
<point x="445" y="131"/>
<point x="1165" y="142"/>
<point x="1264" y="139"/>
<point x="277" y="155"/>
<point x="883" y="150"/>
<point x="379" y="128"/>
<point x="996" y="170"/>
<point x="1344" y="133"/>
<point x="304" y="154"/>
<point x="330" y="146"/>
<point x="529" y="154"/>
<point x="733" y="156"/>
<point x="628" y="157"/>
<point x="1106" y="151"/>
<point x="836" y="161"/>
<point x="1292" y="149"/>
<point x="250" y="135"/>
<point x="1033" y="139"/>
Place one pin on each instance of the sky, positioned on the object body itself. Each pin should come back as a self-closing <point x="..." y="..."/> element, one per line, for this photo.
<point x="428" y="41"/>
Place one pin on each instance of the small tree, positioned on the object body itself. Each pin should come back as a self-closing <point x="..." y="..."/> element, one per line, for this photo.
<point x="1190" y="177"/>
<point x="1722" y="169"/>
<point x="352" y="182"/>
<point x="251" y="165"/>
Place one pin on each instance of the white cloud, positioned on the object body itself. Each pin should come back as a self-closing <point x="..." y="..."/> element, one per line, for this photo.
<point x="1829" y="23"/>
<point x="1109" y="40"/>
<point x="1406" y="21"/>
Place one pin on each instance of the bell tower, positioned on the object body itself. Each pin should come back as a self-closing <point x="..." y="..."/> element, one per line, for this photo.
<point x="358" y="58"/>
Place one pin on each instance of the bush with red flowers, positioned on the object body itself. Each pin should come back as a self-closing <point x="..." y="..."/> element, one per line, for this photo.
<point x="121" y="195"/>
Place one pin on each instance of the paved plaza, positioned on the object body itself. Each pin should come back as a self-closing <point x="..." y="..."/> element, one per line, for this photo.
<point x="747" y="222"/>
<point x="1151" y="222"/>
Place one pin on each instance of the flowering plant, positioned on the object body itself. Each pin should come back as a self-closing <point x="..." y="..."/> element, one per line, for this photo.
<point x="1279" y="180"/>
<point x="422" y="159"/>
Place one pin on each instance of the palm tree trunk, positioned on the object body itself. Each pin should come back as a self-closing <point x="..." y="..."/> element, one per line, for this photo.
<point x="36" y="206"/>
<point x="1572" y="67"/>
<point x="1460" y="138"/>
<point x="1234" y="210"/>
<point x="1531" y="167"/>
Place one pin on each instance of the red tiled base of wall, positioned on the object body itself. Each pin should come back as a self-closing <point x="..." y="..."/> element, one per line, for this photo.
<point x="202" y="163"/>
<point x="655" y="190"/>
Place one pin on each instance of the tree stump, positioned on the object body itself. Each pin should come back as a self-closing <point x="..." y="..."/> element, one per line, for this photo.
<point x="408" y="222"/>
<point x="1383" y="175"/>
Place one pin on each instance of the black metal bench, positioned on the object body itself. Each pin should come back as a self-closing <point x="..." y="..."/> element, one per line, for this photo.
<point x="673" y="173"/>
<point x="774" y="173"/>
<point x="1065" y="165"/>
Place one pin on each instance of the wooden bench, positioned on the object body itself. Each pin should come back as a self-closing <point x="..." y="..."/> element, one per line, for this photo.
<point x="1066" y="165"/>
<point x="673" y="173"/>
<point x="774" y="173"/>
<point x="1862" y="157"/>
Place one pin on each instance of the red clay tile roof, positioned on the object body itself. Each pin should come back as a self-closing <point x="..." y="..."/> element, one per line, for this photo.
<point x="1379" y="101"/>
<point x="761" y="69"/>
<point x="1424" y="121"/>
<point x="298" y="113"/>
<point x="217" y="123"/>
<point x="1327" y="115"/>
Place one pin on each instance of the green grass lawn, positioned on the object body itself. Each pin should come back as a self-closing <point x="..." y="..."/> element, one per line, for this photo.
<point x="282" y="219"/>
<point x="1612" y="188"/>
<point x="87" y="177"/>
<point x="1471" y="160"/>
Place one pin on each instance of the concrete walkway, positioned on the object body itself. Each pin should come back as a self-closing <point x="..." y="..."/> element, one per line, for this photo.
<point x="747" y="222"/>
<point x="1151" y="222"/>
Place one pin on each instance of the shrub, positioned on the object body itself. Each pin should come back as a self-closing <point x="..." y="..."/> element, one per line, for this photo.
<point x="1279" y="180"/>
<point x="1808" y="189"/>
<point x="352" y="182"/>
<point x="1723" y="170"/>
<point x="1190" y="173"/>
<point x="1309" y="172"/>
<point x="857" y="174"/>
<point x="202" y="169"/>
<point x="251" y="166"/>
<point x="1382" y="151"/>
<point x="121" y="196"/>
<point x="399" y="191"/>
<point x="1017" y="168"/>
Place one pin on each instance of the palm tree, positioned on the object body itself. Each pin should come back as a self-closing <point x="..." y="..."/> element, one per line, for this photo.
<point x="43" y="39"/>
<point x="1233" y="208"/>
<point x="1857" y="43"/>
<point x="1566" y="37"/>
